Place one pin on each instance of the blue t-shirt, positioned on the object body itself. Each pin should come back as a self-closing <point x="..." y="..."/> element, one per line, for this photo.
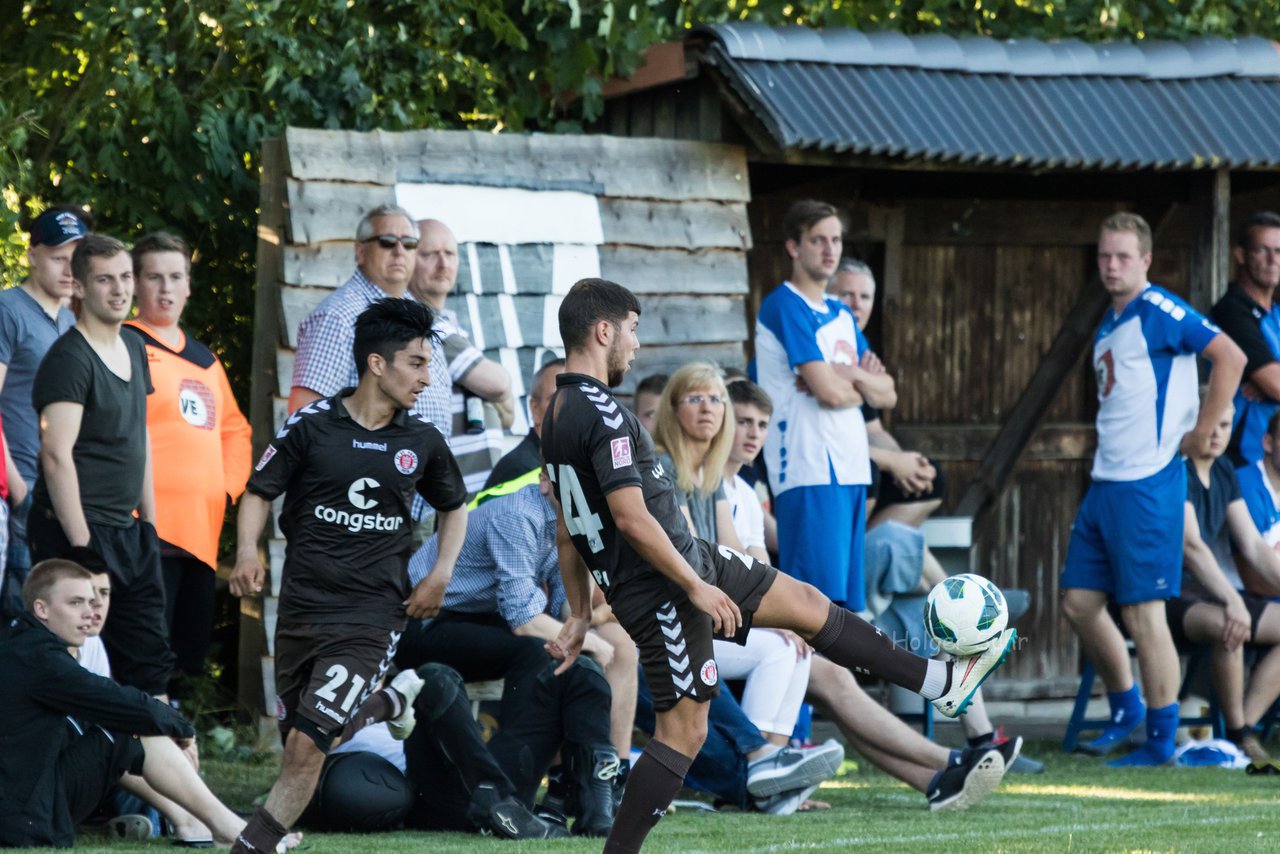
<point x="1263" y="501"/>
<point x="1148" y="396"/>
<point x="809" y="442"/>
<point x="26" y="334"/>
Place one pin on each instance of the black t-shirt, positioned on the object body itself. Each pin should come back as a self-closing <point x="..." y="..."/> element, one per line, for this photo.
<point x="521" y="460"/>
<point x="1210" y="505"/>
<point x="1241" y="318"/>
<point x="347" y="493"/>
<point x="110" y="452"/>
<point x="594" y="445"/>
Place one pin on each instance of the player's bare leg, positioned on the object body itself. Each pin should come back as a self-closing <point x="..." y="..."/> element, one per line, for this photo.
<point x="299" y="772"/>
<point x="659" y="773"/>
<point x="851" y="641"/>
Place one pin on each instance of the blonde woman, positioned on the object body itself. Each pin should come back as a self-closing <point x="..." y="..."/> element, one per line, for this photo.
<point x="693" y="437"/>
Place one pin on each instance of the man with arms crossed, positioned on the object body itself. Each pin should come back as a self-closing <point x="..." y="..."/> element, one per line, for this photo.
<point x="618" y="522"/>
<point x="1127" y="539"/>
<point x="348" y="466"/>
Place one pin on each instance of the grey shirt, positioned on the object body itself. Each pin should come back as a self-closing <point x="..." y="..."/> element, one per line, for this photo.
<point x="702" y="505"/>
<point x="26" y="334"/>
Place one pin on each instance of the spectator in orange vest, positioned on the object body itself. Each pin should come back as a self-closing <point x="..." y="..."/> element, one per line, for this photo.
<point x="200" y="445"/>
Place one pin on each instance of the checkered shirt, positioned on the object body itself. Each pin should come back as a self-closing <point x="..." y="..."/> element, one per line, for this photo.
<point x="508" y="564"/>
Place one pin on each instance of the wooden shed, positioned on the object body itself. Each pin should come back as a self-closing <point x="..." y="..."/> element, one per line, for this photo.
<point x="973" y="174"/>
<point x="532" y="214"/>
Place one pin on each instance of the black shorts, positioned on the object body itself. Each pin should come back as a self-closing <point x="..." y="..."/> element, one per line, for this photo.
<point x="324" y="671"/>
<point x="91" y="765"/>
<point x="1176" y="612"/>
<point x="674" y="637"/>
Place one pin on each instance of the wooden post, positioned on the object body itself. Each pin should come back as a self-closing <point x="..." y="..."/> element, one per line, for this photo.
<point x="262" y="390"/>
<point x="1211" y="237"/>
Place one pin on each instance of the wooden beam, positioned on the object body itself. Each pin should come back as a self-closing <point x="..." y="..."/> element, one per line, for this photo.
<point x="1211" y="237"/>
<point x="1002" y="454"/>
<point x="967" y="442"/>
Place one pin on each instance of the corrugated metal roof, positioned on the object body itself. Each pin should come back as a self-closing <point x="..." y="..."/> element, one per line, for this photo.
<point x="1206" y="103"/>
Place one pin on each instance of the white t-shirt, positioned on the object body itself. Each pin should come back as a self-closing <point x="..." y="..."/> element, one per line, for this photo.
<point x="748" y="515"/>
<point x="93" y="657"/>
<point x="375" y="739"/>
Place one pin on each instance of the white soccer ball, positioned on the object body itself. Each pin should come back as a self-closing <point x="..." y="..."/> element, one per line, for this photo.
<point x="964" y="614"/>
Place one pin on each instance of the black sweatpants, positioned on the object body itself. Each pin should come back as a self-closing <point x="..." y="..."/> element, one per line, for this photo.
<point x="539" y="710"/>
<point x="190" y="586"/>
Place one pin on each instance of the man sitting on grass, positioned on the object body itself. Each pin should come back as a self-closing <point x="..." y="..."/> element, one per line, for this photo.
<point x="68" y="735"/>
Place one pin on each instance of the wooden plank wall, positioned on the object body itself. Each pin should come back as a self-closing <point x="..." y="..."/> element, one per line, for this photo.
<point x="669" y="220"/>
<point x="976" y="293"/>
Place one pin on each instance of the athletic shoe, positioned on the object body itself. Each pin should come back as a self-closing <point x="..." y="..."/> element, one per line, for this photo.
<point x="789" y="768"/>
<point x="496" y="815"/>
<point x="1010" y="749"/>
<point x="591" y="771"/>
<point x="132" y="827"/>
<point x="968" y="674"/>
<point x="407" y="684"/>
<point x="959" y="787"/>
<point x="786" y="803"/>
<point x="1116" y="733"/>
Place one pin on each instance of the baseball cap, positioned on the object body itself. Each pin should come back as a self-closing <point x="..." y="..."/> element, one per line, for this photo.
<point x="54" y="228"/>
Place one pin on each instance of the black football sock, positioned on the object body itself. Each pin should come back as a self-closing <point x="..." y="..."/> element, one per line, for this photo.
<point x="261" y="835"/>
<point x="850" y="641"/>
<point x="381" y="706"/>
<point x="651" y="786"/>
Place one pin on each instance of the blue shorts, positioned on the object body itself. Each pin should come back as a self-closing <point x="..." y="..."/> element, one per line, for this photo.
<point x="1127" y="539"/>
<point x="821" y="532"/>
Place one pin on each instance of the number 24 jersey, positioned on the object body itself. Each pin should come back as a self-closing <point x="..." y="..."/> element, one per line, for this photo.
<point x="592" y="446"/>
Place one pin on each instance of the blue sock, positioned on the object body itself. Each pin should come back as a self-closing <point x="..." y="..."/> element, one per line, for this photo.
<point x="1162" y="725"/>
<point x="1123" y="703"/>
<point x="954" y="757"/>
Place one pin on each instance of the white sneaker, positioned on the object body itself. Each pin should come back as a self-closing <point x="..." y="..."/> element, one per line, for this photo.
<point x="407" y="684"/>
<point x="967" y="674"/>
<point x="792" y="768"/>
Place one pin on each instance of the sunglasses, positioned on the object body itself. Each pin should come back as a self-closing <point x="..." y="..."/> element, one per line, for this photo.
<point x="389" y="241"/>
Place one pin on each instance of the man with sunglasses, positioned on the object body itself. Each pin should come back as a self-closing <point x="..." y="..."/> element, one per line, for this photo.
<point x="386" y="255"/>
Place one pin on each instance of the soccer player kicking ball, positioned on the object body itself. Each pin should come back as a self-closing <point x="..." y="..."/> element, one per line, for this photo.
<point x="618" y="520"/>
<point x="348" y="467"/>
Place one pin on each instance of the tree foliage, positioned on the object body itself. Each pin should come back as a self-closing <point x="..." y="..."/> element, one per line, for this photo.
<point x="152" y="112"/>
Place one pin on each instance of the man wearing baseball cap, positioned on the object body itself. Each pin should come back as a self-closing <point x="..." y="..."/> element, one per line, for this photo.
<point x="32" y="316"/>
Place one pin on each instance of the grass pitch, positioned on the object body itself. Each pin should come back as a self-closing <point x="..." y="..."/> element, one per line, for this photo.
<point x="1077" y="805"/>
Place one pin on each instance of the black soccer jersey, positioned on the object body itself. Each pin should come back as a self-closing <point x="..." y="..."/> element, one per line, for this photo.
<point x="347" y="493"/>
<point x="593" y="445"/>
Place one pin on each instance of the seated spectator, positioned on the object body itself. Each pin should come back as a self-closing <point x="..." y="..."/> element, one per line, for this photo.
<point x="1214" y="608"/>
<point x="68" y="732"/>
<point x="474" y="377"/>
<point x="499" y="609"/>
<point x="526" y="458"/>
<point x="92" y="655"/>
<point x="891" y="744"/>
<point x="911" y="487"/>
<point x="1260" y="489"/>
<point x="442" y="777"/>
<point x="693" y="437"/>
<point x="191" y="415"/>
<point x="645" y="402"/>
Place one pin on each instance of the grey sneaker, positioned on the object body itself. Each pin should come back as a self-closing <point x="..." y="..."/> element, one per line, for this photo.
<point x="961" y="786"/>
<point x="785" y="803"/>
<point x="791" y="768"/>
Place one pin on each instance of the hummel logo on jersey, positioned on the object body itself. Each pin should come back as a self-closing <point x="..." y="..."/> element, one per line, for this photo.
<point x="677" y="658"/>
<point x="368" y="446"/>
<point x="659" y="471"/>
<point x="357" y="522"/>
<point x="605" y="404"/>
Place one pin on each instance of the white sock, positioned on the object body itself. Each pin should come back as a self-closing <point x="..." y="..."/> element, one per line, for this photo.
<point x="937" y="675"/>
